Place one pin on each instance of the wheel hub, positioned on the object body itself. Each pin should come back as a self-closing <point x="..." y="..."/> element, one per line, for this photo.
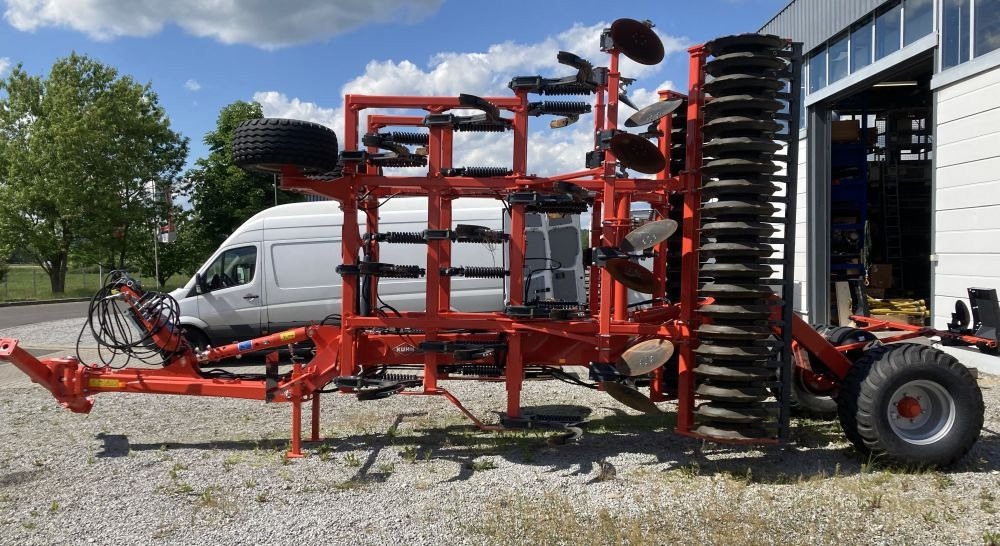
<point x="909" y="408"/>
<point x="921" y="412"/>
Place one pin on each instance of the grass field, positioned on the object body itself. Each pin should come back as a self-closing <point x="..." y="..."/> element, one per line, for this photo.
<point x="29" y="282"/>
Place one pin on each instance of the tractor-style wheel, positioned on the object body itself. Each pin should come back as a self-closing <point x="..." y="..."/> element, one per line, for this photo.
<point x="266" y="144"/>
<point x="816" y="398"/>
<point x="912" y="404"/>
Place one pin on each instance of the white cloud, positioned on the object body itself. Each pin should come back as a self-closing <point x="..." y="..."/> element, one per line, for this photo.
<point x="4" y="65"/>
<point x="487" y="74"/>
<point x="262" y="23"/>
<point x="192" y="85"/>
<point x="277" y="105"/>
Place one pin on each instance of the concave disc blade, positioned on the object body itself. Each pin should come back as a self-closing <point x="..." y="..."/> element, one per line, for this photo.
<point x="648" y="235"/>
<point x="637" y="41"/>
<point x="632" y="275"/>
<point x="629" y="396"/>
<point x="637" y="153"/>
<point x="652" y="113"/>
<point x="644" y="357"/>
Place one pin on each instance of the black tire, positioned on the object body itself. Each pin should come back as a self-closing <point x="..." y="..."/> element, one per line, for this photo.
<point x="948" y="393"/>
<point x="195" y="338"/>
<point x="821" y="405"/>
<point x="266" y="144"/>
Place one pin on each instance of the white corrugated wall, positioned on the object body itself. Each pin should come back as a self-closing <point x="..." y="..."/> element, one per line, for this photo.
<point x="967" y="195"/>
<point x="801" y="217"/>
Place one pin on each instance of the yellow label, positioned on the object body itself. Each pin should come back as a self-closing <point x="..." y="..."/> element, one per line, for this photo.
<point x="287" y="336"/>
<point x="104" y="383"/>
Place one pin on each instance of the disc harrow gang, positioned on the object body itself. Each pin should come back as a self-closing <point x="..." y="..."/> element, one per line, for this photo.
<point x="689" y="267"/>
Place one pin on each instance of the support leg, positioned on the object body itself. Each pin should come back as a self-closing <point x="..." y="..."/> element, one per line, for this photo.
<point x="314" y="437"/>
<point x="296" y="450"/>
<point x="515" y="376"/>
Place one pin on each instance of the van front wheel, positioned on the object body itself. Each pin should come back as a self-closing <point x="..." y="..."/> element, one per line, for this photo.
<point x="196" y="338"/>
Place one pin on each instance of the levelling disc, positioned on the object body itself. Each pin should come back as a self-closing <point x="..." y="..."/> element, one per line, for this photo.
<point x="629" y="396"/>
<point x="652" y="113"/>
<point x="648" y="235"/>
<point x="637" y="41"/>
<point x="644" y="357"/>
<point x="632" y="275"/>
<point x="637" y="153"/>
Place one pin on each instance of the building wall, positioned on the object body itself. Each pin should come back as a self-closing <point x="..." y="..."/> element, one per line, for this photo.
<point x="813" y="21"/>
<point x="801" y="218"/>
<point x="967" y="193"/>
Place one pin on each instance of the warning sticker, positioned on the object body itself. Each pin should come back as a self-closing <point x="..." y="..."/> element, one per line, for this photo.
<point x="287" y="336"/>
<point x="104" y="383"/>
<point x="244" y="346"/>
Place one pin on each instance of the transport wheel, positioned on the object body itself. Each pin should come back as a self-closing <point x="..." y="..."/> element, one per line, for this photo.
<point x="266" y="144"/>
<point x="814" y="398"/>
<point x="912" y="404"/>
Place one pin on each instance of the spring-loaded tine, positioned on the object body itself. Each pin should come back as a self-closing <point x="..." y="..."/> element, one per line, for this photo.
<point x="563" y="122"/>
<point x="584" y="67"/>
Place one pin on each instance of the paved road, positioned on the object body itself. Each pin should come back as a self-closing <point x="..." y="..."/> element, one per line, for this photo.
<point x="29" y="314"/>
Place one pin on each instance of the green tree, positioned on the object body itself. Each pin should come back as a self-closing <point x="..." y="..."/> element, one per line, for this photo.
<point x="83" y="152"/>
<point x="183" y="255"/>
<point x="222" y="194"/>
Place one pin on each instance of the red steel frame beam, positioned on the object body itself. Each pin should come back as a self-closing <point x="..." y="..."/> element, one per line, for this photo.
<point x="690" y="237"/>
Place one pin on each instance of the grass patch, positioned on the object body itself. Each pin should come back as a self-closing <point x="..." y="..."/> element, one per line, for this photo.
<point x="481" y="465"/>
<point x="29" y="282"/>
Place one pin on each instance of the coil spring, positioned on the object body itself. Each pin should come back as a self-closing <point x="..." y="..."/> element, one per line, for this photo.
<point x="417" y="139"/>
<point x="486" y="172"/>
<point x="482" y="371"/>
<point x="406" y="161"/>
<point x="402" y="271"/>
<point x="402" y="237"/>
<point x="565" y="108"/>
<point x="399" y="377"/>
<point x="482" y="127"/>
<point x="484" y="272"/>
<point x="567" y="89"/>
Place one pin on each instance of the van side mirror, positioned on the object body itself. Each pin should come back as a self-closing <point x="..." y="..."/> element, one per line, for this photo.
<point x="200" y="284"/>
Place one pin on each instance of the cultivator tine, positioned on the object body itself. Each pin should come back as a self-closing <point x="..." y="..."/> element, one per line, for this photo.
<point x="473" y="101"/>
<point x="584" y="68"/>
<point x="623" y="98"/>
<point x="563" y="122"/>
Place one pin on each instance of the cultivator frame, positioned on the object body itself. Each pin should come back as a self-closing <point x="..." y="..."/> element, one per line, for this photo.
<point x="355" y="355"/>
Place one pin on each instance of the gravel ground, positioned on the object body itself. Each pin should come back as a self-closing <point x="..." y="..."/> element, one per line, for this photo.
<point x="139" y="469"/>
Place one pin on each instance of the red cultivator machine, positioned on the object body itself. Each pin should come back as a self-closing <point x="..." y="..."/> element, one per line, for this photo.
<point x="714" y="329"/>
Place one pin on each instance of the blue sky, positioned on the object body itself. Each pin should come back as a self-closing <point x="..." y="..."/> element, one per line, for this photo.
<point x="299" y="57"/>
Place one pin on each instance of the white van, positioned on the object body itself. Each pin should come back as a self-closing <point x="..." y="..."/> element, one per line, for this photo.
<point x="278" y="270"/>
